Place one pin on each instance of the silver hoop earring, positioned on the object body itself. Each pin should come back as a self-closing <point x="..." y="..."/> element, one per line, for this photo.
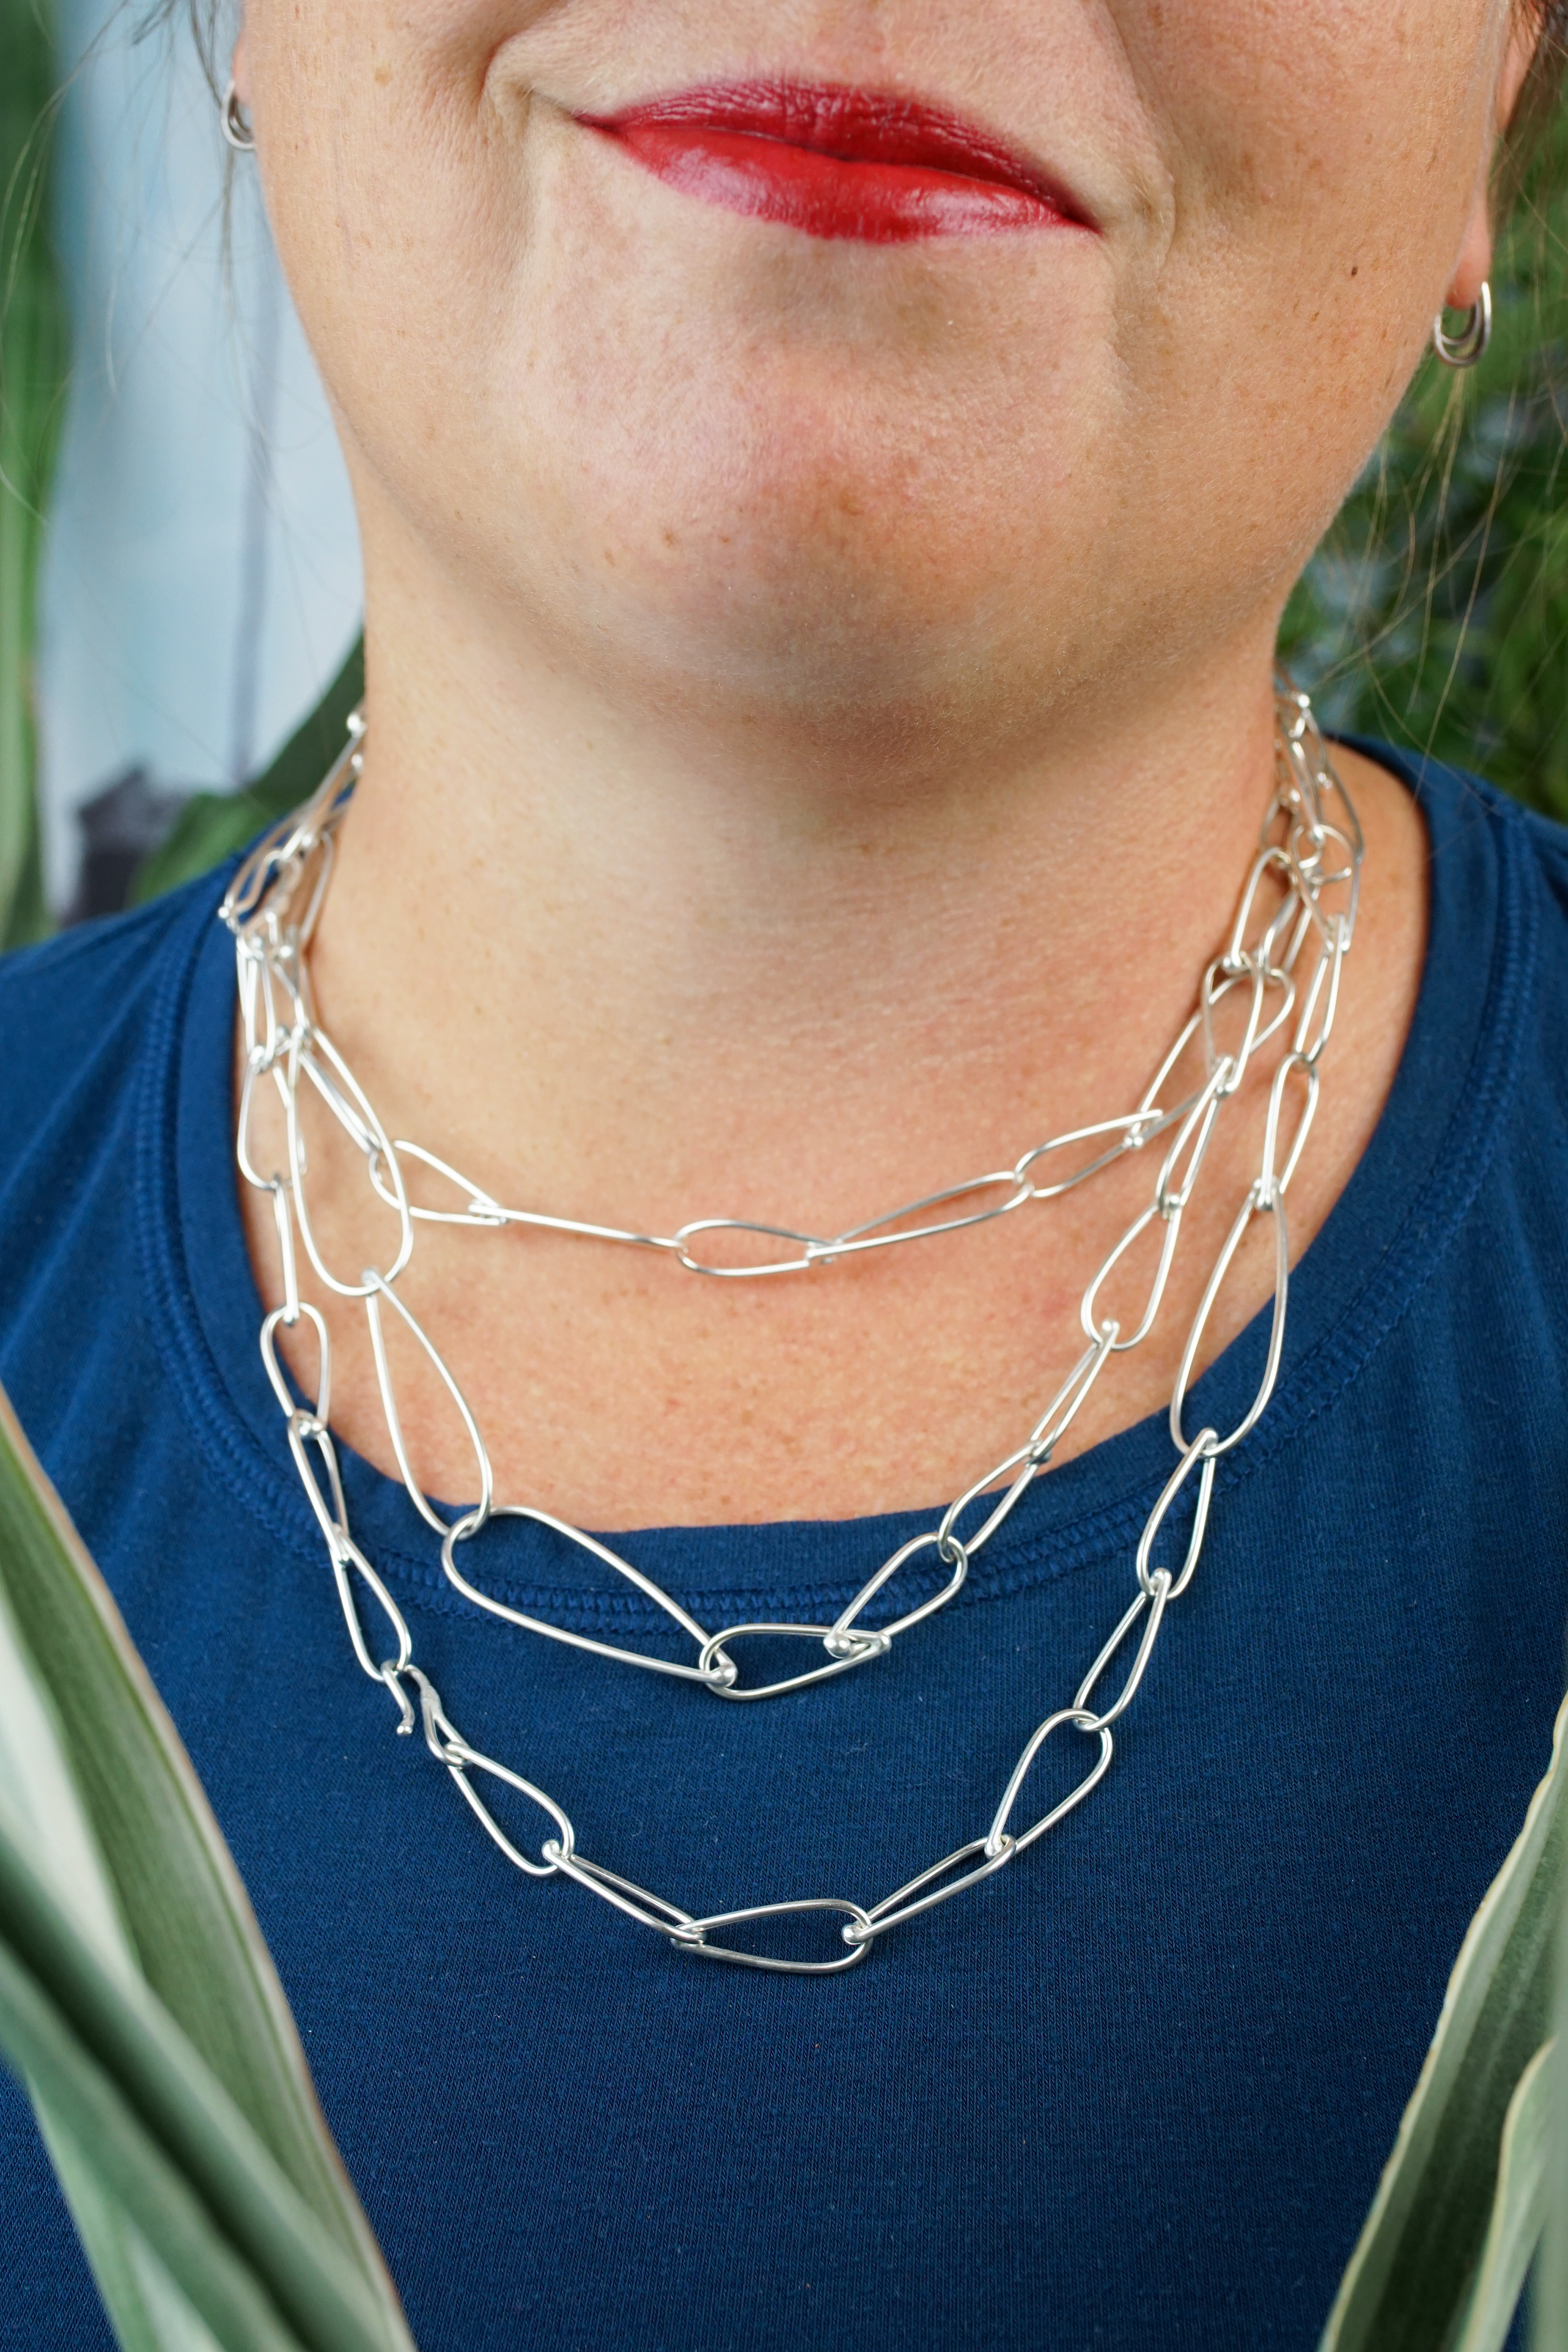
<point x="1465" y="349"/>
<point x="236" y="126"/>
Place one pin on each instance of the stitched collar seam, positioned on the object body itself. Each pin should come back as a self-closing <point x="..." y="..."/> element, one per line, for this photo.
<point x="1335" y="1361"/>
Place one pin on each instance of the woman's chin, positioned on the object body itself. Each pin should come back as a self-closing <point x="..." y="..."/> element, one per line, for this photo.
<point x="824" y="555"/>
<point x="753" y="609"/>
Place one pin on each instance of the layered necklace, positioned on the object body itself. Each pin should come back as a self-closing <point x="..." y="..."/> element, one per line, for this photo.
<point x="1279" y="971"/>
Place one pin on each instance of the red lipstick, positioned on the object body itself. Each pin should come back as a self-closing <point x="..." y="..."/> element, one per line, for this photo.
<point x="839" y="163"/>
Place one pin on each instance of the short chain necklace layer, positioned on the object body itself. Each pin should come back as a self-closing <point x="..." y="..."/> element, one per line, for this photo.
<point x="1279" y="971"/>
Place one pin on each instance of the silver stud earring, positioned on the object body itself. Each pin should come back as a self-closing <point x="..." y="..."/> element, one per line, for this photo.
<point x="235" y="122"/>
<point x="1463" y="349"/>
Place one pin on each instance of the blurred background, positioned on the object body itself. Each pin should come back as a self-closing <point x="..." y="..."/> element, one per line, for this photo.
<point x="180" y="587"/>
<point x="179" y="565"/>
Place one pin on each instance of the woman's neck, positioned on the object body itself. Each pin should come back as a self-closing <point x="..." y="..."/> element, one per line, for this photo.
<point x="653" y="969"/>
<point x="640" y="972"/>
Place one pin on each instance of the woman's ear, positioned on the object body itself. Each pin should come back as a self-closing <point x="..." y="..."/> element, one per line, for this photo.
<point x="1475" y="256"/>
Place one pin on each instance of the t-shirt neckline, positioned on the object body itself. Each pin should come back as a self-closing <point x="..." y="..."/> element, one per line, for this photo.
<point x="1404" y="1201"/>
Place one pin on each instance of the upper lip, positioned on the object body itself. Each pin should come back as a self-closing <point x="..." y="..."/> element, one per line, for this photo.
<point x="860" y="126"/>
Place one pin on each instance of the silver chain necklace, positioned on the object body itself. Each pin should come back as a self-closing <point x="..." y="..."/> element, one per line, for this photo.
<point x="1282" y="962"/>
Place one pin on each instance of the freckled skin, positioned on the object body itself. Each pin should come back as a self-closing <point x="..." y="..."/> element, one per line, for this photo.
<point x="820" y="692"/>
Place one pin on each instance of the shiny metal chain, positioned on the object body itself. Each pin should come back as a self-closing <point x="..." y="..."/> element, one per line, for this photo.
<point x="1280" y="965"/>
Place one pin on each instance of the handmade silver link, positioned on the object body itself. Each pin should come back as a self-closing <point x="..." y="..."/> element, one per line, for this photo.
<point x="1258" y="1203"/>
<point x="290" y="1270"/>
<point x="331" y="1510"/>
<point x="695" y="1938"/>
<point x="1327" y="968"/>
<point x="1311" y="857"/>
<point x="1167" y="1234"/>
<point x="715" y="1670"/>
<point x="274" y="1371"/>
<point x="1270" y="858"/>
<point x="895" y="1910"/>
<point x="846" y="1647"/>
<point x="1079" y="1720"/>
<point x="1204" y="1452"/>
<point x="303" y="1046"/>
<point x="1141" y="1602"/>
<point x="448" y="1747"/>
<point x="1192" y="1137"/>
<point x="1062" y="1411"/>
<point x="1274" y="1182"/>
<point x="376" y="1290"/>
<point x="633" y="1901"/>
<point x="842" y="1637"/>
<point x="347" y="1555"/>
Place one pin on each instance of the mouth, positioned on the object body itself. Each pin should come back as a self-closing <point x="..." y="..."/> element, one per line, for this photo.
<point x="840" y="162"/>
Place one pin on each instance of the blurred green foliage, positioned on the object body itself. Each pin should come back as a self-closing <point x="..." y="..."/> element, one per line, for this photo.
<point x="213" y="825"/>
<point x="32" y="395"/>
<point x="1436" y="612"/>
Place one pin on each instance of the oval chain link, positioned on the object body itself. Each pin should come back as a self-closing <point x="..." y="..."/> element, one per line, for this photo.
<point x="1309" y="858"/>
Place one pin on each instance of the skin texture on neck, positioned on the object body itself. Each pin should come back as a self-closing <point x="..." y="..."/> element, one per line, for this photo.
<point x="820" y="693"/>
<point x="692" y="1002"/>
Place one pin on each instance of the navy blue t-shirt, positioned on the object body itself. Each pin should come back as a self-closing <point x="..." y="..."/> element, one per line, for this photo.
<point x="1136" y="2090"/>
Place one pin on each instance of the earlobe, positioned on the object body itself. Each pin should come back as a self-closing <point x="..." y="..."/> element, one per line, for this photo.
<point x="1463" y="349"/>
<point x="1473" y="267"/>
<point x="233" y="107"/>
<point x="1470" y="293"/>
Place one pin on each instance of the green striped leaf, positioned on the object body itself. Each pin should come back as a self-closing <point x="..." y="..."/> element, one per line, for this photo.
<point x="1519" y="2207"/>
<point x="1439" y="2264"/>
<point x="138" y="2000"/>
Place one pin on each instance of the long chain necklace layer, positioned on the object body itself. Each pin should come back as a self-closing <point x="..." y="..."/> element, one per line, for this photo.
<point x="1279" y="971"/>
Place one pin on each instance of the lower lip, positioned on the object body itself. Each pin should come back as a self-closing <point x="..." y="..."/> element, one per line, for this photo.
<point x="826" y="195"/>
